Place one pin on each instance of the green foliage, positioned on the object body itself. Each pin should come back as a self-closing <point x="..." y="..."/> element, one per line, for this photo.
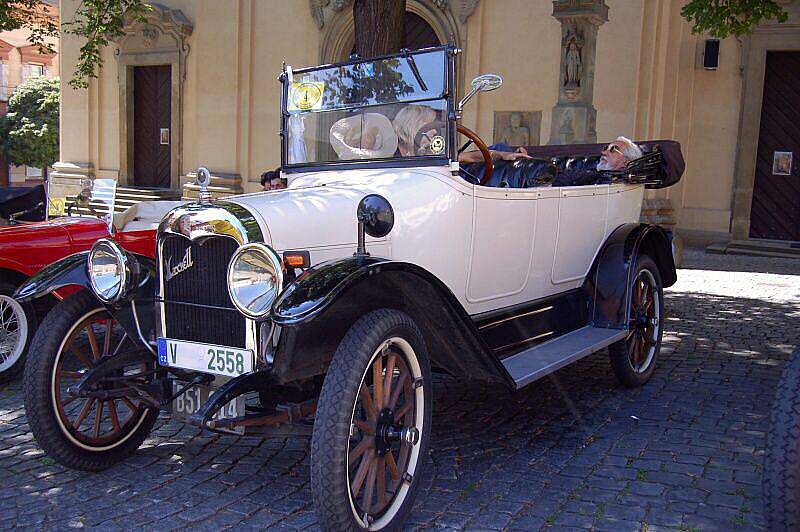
<point x="32" y="15"/>
<point x="100" y="22"/>
<point x="722" y="18"/>
<point x="29" y="131"/>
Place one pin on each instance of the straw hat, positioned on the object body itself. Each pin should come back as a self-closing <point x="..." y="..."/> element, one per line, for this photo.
<point x="363" y="136"/>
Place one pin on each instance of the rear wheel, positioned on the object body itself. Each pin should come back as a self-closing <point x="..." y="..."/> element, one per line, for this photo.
<point x="17" y="325"/>
<point x="634" y="358"/>
<point x="90" y="433"/>
<point x="372" y="426"/>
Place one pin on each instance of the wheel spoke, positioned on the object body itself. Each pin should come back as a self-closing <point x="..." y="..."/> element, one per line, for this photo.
<point x="130" y="405"/>
<point x="392" y="466"/>
<point x="80" y="356"/>
<point x="370" y="487"/>
<point x="366" y="402"/>
<point x="68" y="401"/>
<point x="365" y="427"/>
<point x="381" y="481"/>
<point x="387" y="387"/>
<point x="405" y="409"/>
<point x="112" y="410"/>
<point x="398" y="388"/>
<point x="71" y="374"/>
<point x="98" y="418"/>
<point x="85" y="412"/>
<point x="93" y="342"/>
<point x="360" y="449"/>
<point x="361" y="474"/>
<point x="377" y="381"/>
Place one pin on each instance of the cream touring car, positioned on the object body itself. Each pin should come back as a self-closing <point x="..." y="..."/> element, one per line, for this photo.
<point x="336" y="298"/>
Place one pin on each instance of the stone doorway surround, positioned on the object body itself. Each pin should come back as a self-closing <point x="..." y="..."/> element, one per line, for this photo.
<point x="158" y="40"/>
<point x="766" y="37"/>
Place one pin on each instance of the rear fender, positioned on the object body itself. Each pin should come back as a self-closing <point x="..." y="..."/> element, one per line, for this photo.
<point x="609" y="280"/>
<point x="135" y="313"/>
<point x="316" y="311"/>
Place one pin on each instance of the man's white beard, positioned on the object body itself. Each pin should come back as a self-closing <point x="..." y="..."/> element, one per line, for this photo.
<point x="603" y="165"/>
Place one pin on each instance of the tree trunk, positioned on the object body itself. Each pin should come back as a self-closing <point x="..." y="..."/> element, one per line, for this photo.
<point x="379" y="26"/>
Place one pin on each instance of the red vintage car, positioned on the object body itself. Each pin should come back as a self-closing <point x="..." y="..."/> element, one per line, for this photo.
<point x="25" y="248"/>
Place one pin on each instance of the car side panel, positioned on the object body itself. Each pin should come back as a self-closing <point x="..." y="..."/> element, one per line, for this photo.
<point x="582" y="219"/>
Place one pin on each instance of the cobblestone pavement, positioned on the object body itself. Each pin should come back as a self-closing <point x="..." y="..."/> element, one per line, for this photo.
<point x="574" y="451"/>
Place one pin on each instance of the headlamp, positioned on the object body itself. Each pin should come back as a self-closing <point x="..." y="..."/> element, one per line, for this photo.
<point x="110" y="272"/>
<point x="255" y="278"/>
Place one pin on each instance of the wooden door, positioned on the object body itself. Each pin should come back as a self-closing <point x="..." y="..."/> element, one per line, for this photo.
<point x="775" y="212"/>
<point x="152" y="137"/>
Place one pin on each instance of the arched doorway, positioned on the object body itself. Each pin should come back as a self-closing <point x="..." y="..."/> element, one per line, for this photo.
<point x="419" y="34"/>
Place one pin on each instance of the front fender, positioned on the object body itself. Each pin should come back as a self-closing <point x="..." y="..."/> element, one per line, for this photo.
<point x="317" y="310"/>
<point x="135" y="313"/>
<point x="69" y="271"/>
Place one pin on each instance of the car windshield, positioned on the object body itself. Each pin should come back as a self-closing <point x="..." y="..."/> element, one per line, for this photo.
<point x="384" y="109"/>
<point x="84" y="197"/>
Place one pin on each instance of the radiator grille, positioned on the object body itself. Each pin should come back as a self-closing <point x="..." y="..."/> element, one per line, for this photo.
<point x="197" y="306"/>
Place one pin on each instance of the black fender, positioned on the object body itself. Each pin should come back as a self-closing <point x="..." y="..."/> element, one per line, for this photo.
<point x="609" y="280"/>
<point x="316" y="310"/>
<point x="136" y="312"/>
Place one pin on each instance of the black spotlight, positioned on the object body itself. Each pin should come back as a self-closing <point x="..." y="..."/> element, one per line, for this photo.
<point x="375" y="217"/>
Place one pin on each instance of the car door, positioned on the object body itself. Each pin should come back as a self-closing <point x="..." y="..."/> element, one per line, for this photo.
<point x="582" y="228"/>
<point x="504" y="222"/>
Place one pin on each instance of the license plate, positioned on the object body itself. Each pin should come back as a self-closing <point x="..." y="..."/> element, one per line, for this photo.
<point x="190" y="401"/>
<point x="216" y="359"/>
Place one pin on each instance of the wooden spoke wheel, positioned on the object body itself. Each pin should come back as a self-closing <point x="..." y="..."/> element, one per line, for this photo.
<point x="645" y="321"/>
<point x="634" y="358"/>
<point x="384" y="432"/>
<point x="103" y="424"/>
<point x="372" y="425"/>
<point x="94" y="422"/>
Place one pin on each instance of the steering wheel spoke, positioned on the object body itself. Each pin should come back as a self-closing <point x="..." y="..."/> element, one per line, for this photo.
<point x="487" y="156"/>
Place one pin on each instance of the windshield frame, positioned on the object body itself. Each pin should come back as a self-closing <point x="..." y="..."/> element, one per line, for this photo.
<point x="388" y="162"/>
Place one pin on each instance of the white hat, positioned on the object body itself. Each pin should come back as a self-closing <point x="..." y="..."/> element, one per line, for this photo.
<point x="363" y="136"/>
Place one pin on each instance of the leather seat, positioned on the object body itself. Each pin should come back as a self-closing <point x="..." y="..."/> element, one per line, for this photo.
<point x="522" y="173"/>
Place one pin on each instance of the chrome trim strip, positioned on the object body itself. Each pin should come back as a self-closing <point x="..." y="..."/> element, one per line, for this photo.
<point x="517" y="316"/>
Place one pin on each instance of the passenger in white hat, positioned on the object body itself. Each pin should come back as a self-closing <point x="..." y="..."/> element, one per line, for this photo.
<point x="363" y="136"/>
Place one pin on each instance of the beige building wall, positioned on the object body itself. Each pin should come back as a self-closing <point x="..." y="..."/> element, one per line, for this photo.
<point x="649" y="84"/>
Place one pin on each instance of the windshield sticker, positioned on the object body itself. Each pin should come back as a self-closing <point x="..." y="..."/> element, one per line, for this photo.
<point x="306" y="96"/>
<point x="437" y="145"/>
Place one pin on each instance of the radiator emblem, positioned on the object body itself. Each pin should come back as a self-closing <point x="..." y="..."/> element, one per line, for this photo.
<point x="185" y="263"/>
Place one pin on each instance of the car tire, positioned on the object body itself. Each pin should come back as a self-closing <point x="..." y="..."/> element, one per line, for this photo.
<point x="17" y="326"/>
<point x="781" y="480"/>
<point x="60" y="353"/>
<point x="342" y="448"/>
<point x="634" y="358"/>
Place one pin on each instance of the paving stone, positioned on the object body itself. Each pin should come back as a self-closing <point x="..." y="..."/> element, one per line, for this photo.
<point x="572" y="452"/>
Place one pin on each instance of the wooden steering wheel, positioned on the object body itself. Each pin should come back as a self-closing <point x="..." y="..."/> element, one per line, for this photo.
<point x="487" y="156"/>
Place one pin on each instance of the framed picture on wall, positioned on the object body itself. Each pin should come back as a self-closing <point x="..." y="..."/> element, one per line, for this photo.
<point x="782" y="163"/>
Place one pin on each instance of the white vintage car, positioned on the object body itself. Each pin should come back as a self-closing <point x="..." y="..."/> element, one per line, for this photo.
<point x="384" y="258"/>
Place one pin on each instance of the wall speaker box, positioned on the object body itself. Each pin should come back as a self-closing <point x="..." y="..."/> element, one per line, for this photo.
<point x="711" y="54"/>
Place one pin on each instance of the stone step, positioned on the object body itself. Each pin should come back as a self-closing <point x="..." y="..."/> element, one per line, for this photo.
<point x="757" y="248"/>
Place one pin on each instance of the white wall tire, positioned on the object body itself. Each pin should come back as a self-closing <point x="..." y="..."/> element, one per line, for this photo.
<point x="17" y="325"/>
<point x="366" y="457"/>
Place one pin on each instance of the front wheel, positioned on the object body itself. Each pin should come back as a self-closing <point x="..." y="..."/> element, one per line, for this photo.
<point x="93" y="432"/>
<point x="372" y="426"/>
<point x="634" y="358"/>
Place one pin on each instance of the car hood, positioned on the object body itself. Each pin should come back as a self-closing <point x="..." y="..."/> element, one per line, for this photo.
<point x="304" y="217"/>
<point x="60" y="228"/>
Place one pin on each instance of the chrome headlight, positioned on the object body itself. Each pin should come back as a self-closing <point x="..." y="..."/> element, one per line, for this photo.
<point x="255" y="278"/>
<point x="109" y="271"/>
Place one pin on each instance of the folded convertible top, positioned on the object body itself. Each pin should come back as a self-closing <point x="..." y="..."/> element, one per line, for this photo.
<point x="671" y="150"/>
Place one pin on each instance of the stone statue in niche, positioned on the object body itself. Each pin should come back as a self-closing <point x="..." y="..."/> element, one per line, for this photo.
<point x="573" y="63"/>
<point x="567" y="131"/>
<point x="517" y="128"/>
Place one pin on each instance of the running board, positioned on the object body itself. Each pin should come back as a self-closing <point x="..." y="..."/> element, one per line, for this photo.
<point x="543" y="359"/>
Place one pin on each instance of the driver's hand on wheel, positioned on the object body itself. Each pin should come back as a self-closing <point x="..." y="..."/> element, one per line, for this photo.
<point x="521" y="153"/>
